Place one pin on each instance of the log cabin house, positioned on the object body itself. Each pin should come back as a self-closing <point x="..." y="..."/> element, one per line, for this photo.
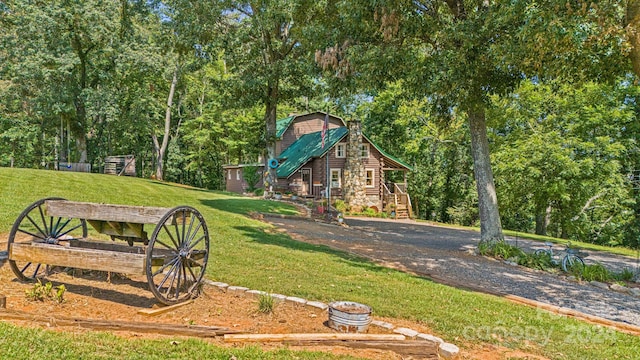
<point x="357" y="165"/>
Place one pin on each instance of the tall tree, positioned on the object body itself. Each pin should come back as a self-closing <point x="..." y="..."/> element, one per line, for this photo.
<point x="558" y="156"/>
<point x="60" y="45"/>
<point x="441" y="183"/>
<point x="263" y="49"/>
<point x="458" y="53"/>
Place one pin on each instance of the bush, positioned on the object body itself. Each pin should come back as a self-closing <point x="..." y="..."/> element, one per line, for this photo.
<point x="500" y="249"/>
<point x="369" y="212"/>
<point x="258" y="191"/>
<point x="341" y="206"/>
<point x="40" y="292"/>
<point x="540" y="261"/>
<point x="595" y="272"/>
<point x="251" y="175"/>
<point x="625" y="275"/>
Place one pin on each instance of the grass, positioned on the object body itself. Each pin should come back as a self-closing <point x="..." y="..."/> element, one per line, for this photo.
<point x="266" y="303"/>
<point x="245" y="252"/>
<point x="19" y="343"/>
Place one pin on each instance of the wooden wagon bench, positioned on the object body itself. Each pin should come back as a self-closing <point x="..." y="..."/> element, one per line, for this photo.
<point x="53" y="232"/>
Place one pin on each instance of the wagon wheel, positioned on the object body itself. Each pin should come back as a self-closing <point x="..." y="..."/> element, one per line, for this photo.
<point x="33" y="225"/>
<point x="177" y="255"/>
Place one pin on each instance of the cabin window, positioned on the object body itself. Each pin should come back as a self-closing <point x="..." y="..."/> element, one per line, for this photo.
<point x="364" y="151"/>
<point x="237" y="174"/>
<point x="369" y="178"/>
<point x="229" y="174"/>
<point x="341" y="150"/>
<point x="336" y="178"/>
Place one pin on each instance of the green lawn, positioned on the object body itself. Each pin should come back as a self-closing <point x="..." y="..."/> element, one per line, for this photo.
<point x="242" y="253"/>
<point x="18" y="343"/>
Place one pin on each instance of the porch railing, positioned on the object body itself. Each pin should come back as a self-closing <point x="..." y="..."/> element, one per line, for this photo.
<point x="397" y="201"/>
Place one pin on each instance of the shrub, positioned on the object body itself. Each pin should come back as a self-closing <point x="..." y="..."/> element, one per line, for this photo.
<point x="595" y="272"/>
<point x="625" y="275"/>
<point x="540" y="261"/>
<point x="341" y="206"/>
<point x="500" y="249"/>
<point x="251" y="175"/>
<point x="40" y="292"/>
<point x="258" y="191"/>
<point x="369" y="212"/>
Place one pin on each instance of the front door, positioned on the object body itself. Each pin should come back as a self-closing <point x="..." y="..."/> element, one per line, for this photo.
<point x="306" y="181"/>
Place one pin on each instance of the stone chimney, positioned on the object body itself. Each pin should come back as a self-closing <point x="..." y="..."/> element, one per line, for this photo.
<point x="355" y="195"/>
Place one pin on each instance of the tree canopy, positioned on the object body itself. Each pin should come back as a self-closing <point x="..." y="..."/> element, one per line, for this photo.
<point x="512" y="112"/>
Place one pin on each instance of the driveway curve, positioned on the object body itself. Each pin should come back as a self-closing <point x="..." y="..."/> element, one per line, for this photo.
<point x="447" y="255"/>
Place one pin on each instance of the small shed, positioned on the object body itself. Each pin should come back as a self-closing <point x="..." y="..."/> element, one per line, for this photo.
<point x="120" y="165"/>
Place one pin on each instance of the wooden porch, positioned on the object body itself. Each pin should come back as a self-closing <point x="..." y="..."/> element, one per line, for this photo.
<point x="396" y="201"/>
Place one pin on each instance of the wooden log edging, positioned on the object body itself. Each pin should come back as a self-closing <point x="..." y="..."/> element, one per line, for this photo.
<point x="420" y="349"/>
<point x="620" y="326"/>
<point x="311" y="337"/>
<point x="412" y="349"/>
<point x="115" y="325"/>
<point x="591" y="319"/>
<point x="444" y="350"/>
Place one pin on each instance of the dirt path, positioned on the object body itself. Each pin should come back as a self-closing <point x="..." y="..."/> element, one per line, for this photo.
<point x="446" y="254"/>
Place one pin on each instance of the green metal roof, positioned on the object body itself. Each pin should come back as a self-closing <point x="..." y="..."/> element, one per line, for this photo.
<point x="282" y="125"/>
<point x="308" y="146"/>
<point x="389" y="156"/>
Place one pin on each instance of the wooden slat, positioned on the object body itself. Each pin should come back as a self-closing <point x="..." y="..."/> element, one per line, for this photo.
<point x="108" y="246"/>
<point x="96" y="224"/>
<point x="138" y="327"/>
<point x="311" y="337"/>
<point x="134" y="230"/>
<point x="105" y="212"/>
<point x="116" y="227"/>
<point x="164" y="309"/>
<point x="101" y="260"/>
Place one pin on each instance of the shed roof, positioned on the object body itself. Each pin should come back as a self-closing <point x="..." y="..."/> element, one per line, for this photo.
<point x="308" y="146"/>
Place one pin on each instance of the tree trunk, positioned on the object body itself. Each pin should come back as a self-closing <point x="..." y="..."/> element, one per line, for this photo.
<point x="79" y="128"/>
<point x="490" y="226"/>
<point x="543" y="218"/>
<point x="161" y="149"/>
<point x="632" y="27"/>
<point x="270" y="127"/>
<point x="81" y="145"/>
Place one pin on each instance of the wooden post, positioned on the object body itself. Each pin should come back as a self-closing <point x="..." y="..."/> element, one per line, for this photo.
<point x="3" y="302"/>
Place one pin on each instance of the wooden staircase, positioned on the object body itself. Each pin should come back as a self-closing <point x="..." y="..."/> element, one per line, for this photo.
<point x="402" y="212"/>
<point x="397" y="203"/>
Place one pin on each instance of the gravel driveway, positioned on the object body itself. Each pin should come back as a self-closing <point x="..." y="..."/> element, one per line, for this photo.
<point x="447" y="255"/>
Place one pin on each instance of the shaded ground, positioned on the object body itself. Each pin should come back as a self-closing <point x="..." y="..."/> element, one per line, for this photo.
<point x="446" y="254"/>
<point x="90" y="296"/>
